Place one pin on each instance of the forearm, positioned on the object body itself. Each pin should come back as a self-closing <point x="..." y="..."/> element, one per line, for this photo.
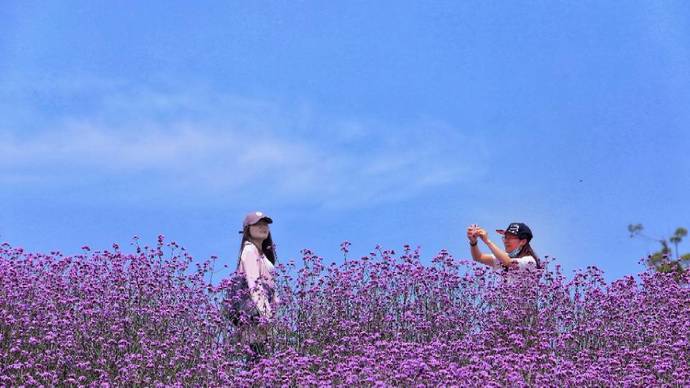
<point x="499" y="253"/>
<point x="477" y="255"/>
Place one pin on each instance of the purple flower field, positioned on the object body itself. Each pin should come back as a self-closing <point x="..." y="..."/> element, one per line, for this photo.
<point x="150" y="318"/>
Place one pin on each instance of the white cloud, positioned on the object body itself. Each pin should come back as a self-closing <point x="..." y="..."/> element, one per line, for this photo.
<point x="219" y="144"/>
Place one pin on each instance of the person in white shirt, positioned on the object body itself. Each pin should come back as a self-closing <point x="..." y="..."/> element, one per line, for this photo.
<point x="257" y="260"/>
<point x="516" y="252"/>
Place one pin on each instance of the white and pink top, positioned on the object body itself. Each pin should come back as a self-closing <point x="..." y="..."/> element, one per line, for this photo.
<point x="522" y="262"/>
<point x="258" y="271"/>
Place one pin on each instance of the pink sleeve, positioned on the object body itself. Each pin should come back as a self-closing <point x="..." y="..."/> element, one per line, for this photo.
<point x="251" y="264"/>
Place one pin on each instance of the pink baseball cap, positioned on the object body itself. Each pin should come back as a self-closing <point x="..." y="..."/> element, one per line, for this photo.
<point x="254" y="217"/>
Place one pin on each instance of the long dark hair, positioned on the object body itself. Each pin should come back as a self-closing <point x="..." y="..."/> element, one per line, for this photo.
<point x="267" y="247"/>
<point x="528" y="251"/>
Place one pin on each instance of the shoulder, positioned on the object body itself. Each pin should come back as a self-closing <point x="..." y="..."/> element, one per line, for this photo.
<point x="249" y="249"/>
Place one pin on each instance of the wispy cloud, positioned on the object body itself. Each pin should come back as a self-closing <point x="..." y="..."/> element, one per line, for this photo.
<point x="218" y="144"/>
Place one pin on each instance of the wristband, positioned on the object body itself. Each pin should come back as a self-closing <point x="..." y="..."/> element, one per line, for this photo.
<point x="475" y="243"/>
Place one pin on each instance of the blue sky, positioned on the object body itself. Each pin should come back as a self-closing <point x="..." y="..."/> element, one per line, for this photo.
<point x="373" y="122"/>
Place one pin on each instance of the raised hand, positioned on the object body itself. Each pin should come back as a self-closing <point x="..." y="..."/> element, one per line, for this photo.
<point x="472" y="233"/>
<point x="482" y="234"/>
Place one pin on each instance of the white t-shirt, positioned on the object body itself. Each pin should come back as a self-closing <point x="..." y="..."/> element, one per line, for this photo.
<point x="522" y="262"/>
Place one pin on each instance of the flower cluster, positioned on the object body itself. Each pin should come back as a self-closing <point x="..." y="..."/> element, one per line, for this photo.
<point x="151" y="318"/>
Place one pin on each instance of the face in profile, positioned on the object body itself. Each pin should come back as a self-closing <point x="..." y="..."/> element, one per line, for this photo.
<point x="259" y="230"/>
<point x="511" y="242"/>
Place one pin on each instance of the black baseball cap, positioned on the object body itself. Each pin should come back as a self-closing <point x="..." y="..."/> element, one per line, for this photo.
<point x="518" y="229"/>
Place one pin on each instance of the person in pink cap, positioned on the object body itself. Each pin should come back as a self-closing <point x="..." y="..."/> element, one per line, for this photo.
<point x="516" y="250"/>
<point x="257" y="258"/>
<point x="251" y="292"/>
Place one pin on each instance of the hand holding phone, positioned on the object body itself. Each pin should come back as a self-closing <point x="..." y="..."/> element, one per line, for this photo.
<point x="472" y="233"/>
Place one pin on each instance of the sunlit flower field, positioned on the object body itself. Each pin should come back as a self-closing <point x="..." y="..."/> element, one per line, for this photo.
<point x="150" y="316"/>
